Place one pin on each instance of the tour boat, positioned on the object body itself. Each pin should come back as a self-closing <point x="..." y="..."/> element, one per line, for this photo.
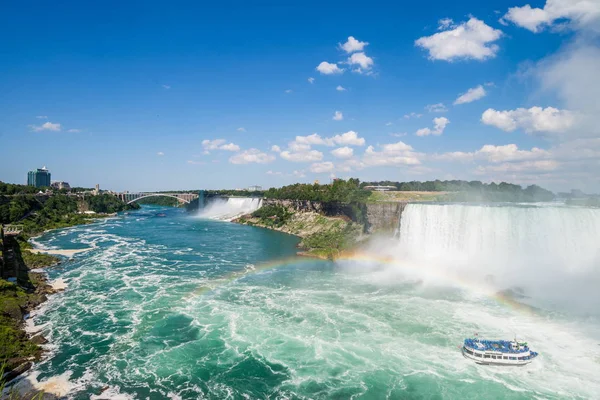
<point x="498" y="352"/>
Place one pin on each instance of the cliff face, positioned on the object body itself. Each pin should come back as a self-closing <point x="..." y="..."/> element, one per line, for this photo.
<point x="384" y="217"/>
<point x="375" y="217"/>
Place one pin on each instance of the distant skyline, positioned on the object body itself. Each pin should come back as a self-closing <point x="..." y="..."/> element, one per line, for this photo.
<point x="144" y="96"/>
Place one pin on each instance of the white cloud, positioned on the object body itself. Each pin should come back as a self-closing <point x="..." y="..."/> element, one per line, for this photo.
<point x="72" y="130"/>
<point x="166" y="87"/>
<point x="471" y="95"/>
<point x="389" y="123"/>
<point x="535" y="119"/>
<point x="302" y="156"/>
<point x="288" y="91"/>
<point x="338" y="116"/>
<point x="496" y="154"/>
<point x="329" y="68"/>
<point x="241" y="129"/>
<point x="42" y="117"/>
<point x="340" y="88"/>
<point x="46" y="126"/>
<point x="218" y="144"/>
<point x="343" y="152"/>
<point x="542" y="165"/>
<point x="470" y="40"/>
<point x="445" y="23"/>
<point x="192" y="162"/>
<point x="299" y="174"/>
<point x="436" y="108"/>
<point x="323" y="167"/>
<point x="439" y="126"/>
<point x="399" y="134"/>
<point x="391" y="154"/>
<point x="276" y="149"/>
<point x="353" y="45"/>
<point x="314" y="139"/>
<point x="365" y="62"/>
<point x="251" y="156"/>
<point x="230" y="147"/>
<point x="160" y="153"/>
<point x="412" y="115"/>
<point x="349" y="138"/>
<point x="580" y="13"/>
<point x="311" y="80"/>
<point x="269" y="172"/>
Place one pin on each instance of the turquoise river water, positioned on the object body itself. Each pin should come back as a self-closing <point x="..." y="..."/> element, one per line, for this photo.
<point x="179" y="307"/>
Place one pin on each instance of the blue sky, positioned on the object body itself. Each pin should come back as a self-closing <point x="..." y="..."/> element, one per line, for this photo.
<point x="149" y="95"/>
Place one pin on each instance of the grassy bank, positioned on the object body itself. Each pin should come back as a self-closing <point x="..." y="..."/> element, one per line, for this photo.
<point x="322" y="236"/>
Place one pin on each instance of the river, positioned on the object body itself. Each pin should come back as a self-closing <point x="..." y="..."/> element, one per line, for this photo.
<point x="184" y="308"/>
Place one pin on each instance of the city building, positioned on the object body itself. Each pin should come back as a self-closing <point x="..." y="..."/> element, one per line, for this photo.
<point x="39" y="177"/>
<point x="96" y="190"/>
<point x="380" y="188"/>
<point x="254" y="188"/>
<point x="60" y="185"/>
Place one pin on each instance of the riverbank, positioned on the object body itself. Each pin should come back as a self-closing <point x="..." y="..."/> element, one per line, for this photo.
<point x="322" y="236"/>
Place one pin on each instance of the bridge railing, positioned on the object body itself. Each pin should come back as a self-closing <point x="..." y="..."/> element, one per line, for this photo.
<point x="12" y="230"/>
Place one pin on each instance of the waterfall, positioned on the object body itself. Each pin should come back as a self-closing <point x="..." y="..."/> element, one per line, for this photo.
<point x="544" y="248"/>
<point x="227" y="209"/>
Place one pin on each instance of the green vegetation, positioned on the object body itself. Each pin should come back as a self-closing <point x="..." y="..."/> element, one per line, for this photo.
<point x="164" y="201"/>
<point x="473" y="190"/>
<point x="332" y="242"/>
<point x="339" y="191"/>
<point x="405" y="196"/>
<point x="108" y="204"/>
<point x="13" y="341"/>
<point x="272" y="216"/>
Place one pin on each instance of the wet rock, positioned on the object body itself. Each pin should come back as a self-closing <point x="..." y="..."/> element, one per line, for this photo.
<point x="39" y="339"/>
<point x="18" y="370"/>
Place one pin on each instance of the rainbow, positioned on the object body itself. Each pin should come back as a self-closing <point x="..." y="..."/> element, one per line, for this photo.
<point x="363" y="256"/>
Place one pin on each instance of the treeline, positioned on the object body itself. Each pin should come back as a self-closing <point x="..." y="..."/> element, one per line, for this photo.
<point x="39" y="213"/>
<point x="340" y="191"/>
<point x="233" y="192"/>
<point x="473" y="190"/>
<point x="160" y="201"/>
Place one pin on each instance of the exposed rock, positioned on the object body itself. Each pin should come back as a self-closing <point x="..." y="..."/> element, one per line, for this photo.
<point x="384" y="217"/>
<point x="39" y="339"/>
<point x="18" y="370"/>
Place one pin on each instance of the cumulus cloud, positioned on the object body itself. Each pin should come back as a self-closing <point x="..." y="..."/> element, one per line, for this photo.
<point x="46" y="126"/>
<point x="288" y="91"/>
<point x="496" y="154"/>
<point x="445" y="23"/>
<point x="219" y="144"/>
<point x="349" y="138"/>
<point x="302" y="155"/>
<point x="439" y="126"/>
<point x="471" y="95"/>
<point x="472" y="40"/>
<point x="436" y="108"/>
<point x="276" y="149"/>
<point x="166" y="87"/>
<point x="327" y="68"/>
<point x="241" y="129"/>
<point x="230" y="147"/>
<point x="353" y="45"/>
<point x="361" y="59"/>
<point x="323" y="167"/>
<point x="160" y="153"/>
<point x="343" y="152"/>
<point x="269" y="172"/>
<point x="251" y="156"/>
<point x="338" y="116"/>
<point x="412" y="115"/>
<point x="340" y="88"/>
<point x="532" y="120"/>
<point x="397" y="154"/>
<point x="73" y="130"/>
<point x="311" y="80"/>
<point x="580" y="14"/>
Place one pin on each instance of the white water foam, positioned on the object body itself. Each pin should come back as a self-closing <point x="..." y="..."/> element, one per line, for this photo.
<point x="550" y="252"/>
<point x="230" y="208"/>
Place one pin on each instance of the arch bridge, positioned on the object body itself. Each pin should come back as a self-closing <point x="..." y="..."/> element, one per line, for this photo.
<point x="181" y="197"/>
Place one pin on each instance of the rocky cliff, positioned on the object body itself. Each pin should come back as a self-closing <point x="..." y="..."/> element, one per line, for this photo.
<point x="383" y="217"/>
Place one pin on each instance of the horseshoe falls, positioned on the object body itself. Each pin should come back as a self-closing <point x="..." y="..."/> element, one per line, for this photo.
<point x="182" y="307"/>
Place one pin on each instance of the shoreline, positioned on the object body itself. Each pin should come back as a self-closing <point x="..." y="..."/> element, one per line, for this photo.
<point x="59" y="252"/>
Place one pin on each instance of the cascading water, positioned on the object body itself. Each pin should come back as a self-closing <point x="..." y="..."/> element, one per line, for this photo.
<point x="230" y="208"/>
<point x="551" y="251"/>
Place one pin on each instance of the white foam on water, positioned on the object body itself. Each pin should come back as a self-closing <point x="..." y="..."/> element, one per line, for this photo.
<point x="230" y="208"/>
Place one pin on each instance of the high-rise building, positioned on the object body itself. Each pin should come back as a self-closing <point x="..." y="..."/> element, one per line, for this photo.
<point x="39" y="177"/>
